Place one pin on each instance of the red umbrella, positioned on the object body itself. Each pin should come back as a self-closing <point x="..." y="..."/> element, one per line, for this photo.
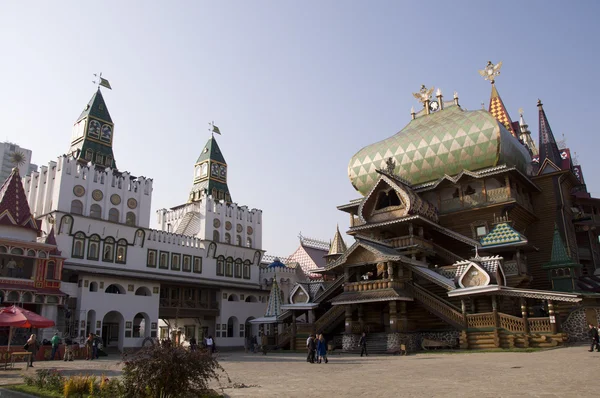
<point x="17" y="317"/>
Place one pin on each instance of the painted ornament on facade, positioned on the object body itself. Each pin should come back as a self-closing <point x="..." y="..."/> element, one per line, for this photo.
<point x="106" y="133"/>
<point x="115" y="199"/>
<point x="97" y="195"/>
<point x="250" y="230"/>
<point x="217" y="223"/>
<point x="131" y="203"/>
<point x="228" y="225"/>
<point x="94" y="129"/>
<point x="239" y="228"/>
<point x="78" y="190"/>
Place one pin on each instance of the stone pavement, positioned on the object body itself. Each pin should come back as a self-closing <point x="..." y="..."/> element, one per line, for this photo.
<point x="554" y="373"/>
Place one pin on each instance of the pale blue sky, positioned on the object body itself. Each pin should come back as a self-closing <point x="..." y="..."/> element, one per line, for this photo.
<point x="296" y="87"/>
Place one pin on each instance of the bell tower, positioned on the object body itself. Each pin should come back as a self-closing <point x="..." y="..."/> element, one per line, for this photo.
<point x="92" y="136"/>
<point x="210" y="174"/>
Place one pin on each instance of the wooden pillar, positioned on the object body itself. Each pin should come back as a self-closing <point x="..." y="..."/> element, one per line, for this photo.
<point x="411" y="232"/>
<point x="473" y="306"/>
<point x="552" y="315"/>
<point x="361" y="315"/>
<point x="463" y="307"/>
<point x="390" y="267"/>
<point x="525" y="314"/>
<point x="507" y="182"/>
<point x="484" y="191"/>
<point x="403" y="319"/>
<point x="348" y="323"/>
<point x="294" y="332"/>
<point x="495" y="312"/>
<point x="393" y="317"/>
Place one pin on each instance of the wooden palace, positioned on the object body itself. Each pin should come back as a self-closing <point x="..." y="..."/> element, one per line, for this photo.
<point x="467" y="235"/>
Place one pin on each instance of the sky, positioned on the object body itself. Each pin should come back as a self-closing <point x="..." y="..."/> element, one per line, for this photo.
<point x="296" y="87"/>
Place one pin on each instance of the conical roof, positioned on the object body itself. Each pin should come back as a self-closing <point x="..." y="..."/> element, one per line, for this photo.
<point x="96" y="108"/>
<point x="559" y="258"/>
<point x="211" y="151"/>
<point x="499" y="111"/>
<point x="14" y="208"/>
<point x="548" y="146"/>
<point x="274" y="304"/>
<point x="338" y="246"/>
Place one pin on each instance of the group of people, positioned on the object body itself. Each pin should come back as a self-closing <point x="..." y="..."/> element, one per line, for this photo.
<point x="317" y="349"/>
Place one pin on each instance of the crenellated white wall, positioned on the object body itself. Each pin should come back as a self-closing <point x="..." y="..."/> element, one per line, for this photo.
<point x="228" y="215"/>
<point x="52" y="189"/>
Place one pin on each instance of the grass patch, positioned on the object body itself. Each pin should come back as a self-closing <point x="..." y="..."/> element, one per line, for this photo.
<point x="33" y="390"/>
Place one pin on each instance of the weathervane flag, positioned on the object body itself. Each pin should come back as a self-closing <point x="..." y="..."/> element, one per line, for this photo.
<point x="215" y="129"/>
<point x="105" y="83"/>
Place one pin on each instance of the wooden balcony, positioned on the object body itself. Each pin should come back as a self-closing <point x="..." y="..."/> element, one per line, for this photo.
<point x="186" y="308"/>
<point x="371" y="285"/>
<point x="498" y="195"/>
<point x="409" y="241"/>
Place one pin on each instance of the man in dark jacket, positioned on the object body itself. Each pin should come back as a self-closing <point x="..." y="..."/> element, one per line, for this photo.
<point x="311" y="345"/>
<point x="363" y="345"/>
<point x="593" y="333"/>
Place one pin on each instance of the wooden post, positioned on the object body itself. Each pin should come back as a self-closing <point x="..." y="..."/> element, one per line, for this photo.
<point x="390" y="267"/>
<point x="524" y="314"/>
<point x="403" y="320"/>
<point x="348" y="323"/>
<point x="495" y="312"/>
<point x="393" y="317"/>
<point x="463" y="307"/>
<point x="361" y="315"/>
<point x="294" y="332"/>
<point x="552" y="315"/>
<point x="507" y="182"/>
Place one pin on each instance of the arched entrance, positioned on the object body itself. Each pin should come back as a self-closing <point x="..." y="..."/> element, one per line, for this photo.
<point x="113" y="329"/>
<point x="91" y="322"/>
<point x="250" y="329"/>
<point x="232" y="326"/>
<point x="141" y="325"/>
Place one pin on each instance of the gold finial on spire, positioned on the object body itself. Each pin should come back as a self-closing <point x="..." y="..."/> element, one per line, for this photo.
<point x="424" y="94"/>
<point x="17" y="159"/>
<point x="491" y="71"/>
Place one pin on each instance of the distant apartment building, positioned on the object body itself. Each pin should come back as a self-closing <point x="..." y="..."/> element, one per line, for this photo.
<point x="8" y="148"/>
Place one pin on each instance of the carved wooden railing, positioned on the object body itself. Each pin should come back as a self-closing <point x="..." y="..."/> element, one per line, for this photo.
<point x="481" y="321"/>
<point x="407" y="241"/>
<point x="511" y="323"/>
<point x="497" y="195"/>
<point x="446" y="254"/>
<point x="371" y="285"/>
<point x="539" y="325"/>
<point x="511" y="268"/>
<point x="304" y="328"/>
<point x="329" y="318"/>
<point x="285" y="337"/>
<point x="450" y="204"/>
<point x="331" y="288"/>
<point x="438" y="306"/>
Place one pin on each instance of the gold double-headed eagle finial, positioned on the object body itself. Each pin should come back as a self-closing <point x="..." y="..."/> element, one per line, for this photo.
<point x="491" y="71"/>
<point x="424" y="94"/>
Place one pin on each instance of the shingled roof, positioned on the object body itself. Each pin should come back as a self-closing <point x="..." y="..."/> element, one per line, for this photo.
<point x="14" y="209"/>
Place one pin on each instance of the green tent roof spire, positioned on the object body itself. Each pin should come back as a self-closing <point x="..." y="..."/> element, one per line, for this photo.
<point x="96" y="108"/>
<point x="559" y="258"/>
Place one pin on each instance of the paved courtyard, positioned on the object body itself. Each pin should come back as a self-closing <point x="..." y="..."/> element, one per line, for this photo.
<point x="555" y="373"/>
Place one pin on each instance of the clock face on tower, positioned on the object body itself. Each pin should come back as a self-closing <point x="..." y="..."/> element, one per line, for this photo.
<point x="106" y="133"/>
<point x="223" y="172"/>
<point x="214" y="169"/>
<point x="94" y="129"/>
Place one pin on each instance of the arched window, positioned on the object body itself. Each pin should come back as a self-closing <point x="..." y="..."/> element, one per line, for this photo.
<point x="249" y="242"/>
<point x="78" y="244"/>
<point x="216" y="236"/>
<point x="143" y="291"/>
<point x="76" y="207"/>
<point x="66" y="224"/>
<point x="238" y="268"/>
<point x="204" y="171"/>
<point x="247" y="269"/>
<point x="93" y="287"/>
<point x="232" y="325"/>
<point x="51" y="270"/>
<point x="108" y="252"/>
<point x="387" y="199"/>
<point x="227" y="238"/>
<point x="115" y="289"/>
<point x="121" y="251"/>
<point x="95" y="211"/>
<point x="113" y="215"/>
<point x="233" y="297"/>
<point x="163" y="261"/>
<point x="220" y="265"/>
<point x="238" y="240"/>
<point x="130" y="218"/>
<point x="229" y="267"/>
<point x="140" y="235"/>
<point x="251" y="299"/>
<point x="93" y="247"/>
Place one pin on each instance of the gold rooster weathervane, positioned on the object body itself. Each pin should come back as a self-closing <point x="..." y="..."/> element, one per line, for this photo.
<point x="491" y="71"/>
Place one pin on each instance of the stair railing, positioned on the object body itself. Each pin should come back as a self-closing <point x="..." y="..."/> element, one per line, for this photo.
<point x="440" y="307"/>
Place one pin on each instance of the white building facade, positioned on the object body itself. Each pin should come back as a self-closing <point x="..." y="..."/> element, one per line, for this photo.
<point x="196" y="275"/>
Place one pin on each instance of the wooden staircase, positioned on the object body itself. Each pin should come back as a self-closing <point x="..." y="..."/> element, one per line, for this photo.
<point x="438" y="307"/>
<point x="376" y="344"/>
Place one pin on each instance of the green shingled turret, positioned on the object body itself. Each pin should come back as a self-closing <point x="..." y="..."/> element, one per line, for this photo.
<point x="210" y="174"/>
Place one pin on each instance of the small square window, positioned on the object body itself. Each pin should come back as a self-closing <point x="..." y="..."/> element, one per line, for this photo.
<point x="481" y="231"/>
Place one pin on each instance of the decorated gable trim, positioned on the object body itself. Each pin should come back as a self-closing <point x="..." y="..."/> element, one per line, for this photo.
<point x="293" y="292"/>
<point x="472" y="266"/>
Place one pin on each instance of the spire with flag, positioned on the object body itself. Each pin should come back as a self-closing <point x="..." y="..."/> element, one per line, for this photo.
<point x="100" y="81"/>
<point x="214" y="129"/>
<point x="548" y="147"/>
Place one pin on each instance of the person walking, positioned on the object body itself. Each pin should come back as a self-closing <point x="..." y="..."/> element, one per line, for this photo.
<point x="55" y="341"/>
<point x="264" y="341"/>
<point x="593" y="333"/>
<point x="363" y="345"/>
<point x="32" y="346"/>
<point x="322" y="349"/>
<point x="193" y="344"/>
<point x="68" y="349"/>
<point x="210" y="344"/>
<point x="88" y="347"/>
